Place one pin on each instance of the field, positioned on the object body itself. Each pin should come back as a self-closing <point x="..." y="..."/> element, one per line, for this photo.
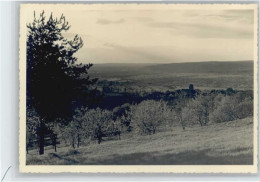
<point x="215" y="144"/>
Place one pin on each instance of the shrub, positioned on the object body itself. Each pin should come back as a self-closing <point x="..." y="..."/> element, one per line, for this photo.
<point x="245" y="108"/>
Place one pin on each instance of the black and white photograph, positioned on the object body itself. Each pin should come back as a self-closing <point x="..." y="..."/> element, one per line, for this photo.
<point x="132" y="87"/>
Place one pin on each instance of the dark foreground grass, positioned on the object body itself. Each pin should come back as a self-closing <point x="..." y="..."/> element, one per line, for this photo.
<point x="216" y="144"/>
<point x="182" y="158"/>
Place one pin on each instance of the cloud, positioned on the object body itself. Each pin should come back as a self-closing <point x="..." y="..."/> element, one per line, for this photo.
<point x="107" y="22"/>
<point x="112" y="52"/>
<point x="140" y="53"/>
<point x="201" y="30"/>
<point x="242" y="16"/>
<point x="245" y="16"/>
<point x="143" y="19"/>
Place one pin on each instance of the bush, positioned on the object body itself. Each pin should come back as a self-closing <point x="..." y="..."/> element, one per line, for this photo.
<point x="148" y="115"/>
<point x="230" y="108"/>
<point x="245" y="108"/>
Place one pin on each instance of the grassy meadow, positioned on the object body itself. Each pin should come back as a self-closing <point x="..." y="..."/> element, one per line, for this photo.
<point x="216" y="144"/>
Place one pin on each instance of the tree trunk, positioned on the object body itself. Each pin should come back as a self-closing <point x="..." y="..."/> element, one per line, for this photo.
<point x="207" y="117"/>
<point x="41" y="138"/>
<point x="73" y="143"/>
<point x="99" y="134"/>
<point x="201" y="122"/>
<point x="73" y="146"/>
<point x="55" y="148"/>
<point x="78" y="140"/>
<point x="99" y="139"/>
<point x="55" y="144"/>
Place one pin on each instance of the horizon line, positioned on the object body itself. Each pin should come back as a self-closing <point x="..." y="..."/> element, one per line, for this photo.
<point x="171" y="62"/>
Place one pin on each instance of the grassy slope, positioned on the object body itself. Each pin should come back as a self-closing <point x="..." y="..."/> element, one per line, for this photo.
<point x="224" y="143"/>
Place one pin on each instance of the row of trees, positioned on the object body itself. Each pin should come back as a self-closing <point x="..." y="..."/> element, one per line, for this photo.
<point x="214" y="108"/>
<point x="86" y="124"/>
<point x="145" y="118"/>
<point x="203" y="109"/>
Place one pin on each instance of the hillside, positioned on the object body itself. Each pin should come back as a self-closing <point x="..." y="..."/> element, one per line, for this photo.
<point x="205" y="67"/>
<point x="188" y="67"/>
<point x="161" y="77"/>
<point x="223" y="143"/>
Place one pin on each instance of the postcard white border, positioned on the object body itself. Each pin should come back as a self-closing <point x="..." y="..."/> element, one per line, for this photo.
<point x="129" y="168"/>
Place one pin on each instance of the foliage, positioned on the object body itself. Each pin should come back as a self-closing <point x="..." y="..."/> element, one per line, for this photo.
<point x="114" y="128"/>
<point x="230" y="91"/>
<point x="180" y="112"/>
<point x="126" y="118"/>
<point x="53" y="77"/>
<point x="54" y="83"/>
<point x="229" y="108"/>
<point x="92" y="122"/>
<point x="32" y="127"/>
<point x="180" y="115"/>
<point x="97" y="121"/>
<point x="198" y="109"/>
<point x="148" y="115"/>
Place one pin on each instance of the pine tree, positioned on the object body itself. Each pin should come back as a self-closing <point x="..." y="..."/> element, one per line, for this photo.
<point x="55" y="85"/>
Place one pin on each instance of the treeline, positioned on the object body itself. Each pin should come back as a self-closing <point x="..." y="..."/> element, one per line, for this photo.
<point x="111" y="98"/>
<point x="141" y="119"/>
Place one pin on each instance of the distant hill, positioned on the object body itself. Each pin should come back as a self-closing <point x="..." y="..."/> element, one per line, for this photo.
<point x="188" y="67"/>
<point x="117" y="69"/>
<point x="204" y="67"/>
<point x="204" y="75"/>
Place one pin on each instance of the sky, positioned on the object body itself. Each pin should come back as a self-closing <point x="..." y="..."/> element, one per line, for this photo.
<point x="162" y="35"/>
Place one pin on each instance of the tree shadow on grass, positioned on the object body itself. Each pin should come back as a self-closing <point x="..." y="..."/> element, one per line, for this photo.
<point x="148" y="158"/>
<point x="183" y="158"/>
<point x="66" y="159"/>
